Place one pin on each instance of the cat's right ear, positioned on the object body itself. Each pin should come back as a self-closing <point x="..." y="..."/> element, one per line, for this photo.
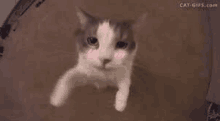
<point x="84" y="18"/>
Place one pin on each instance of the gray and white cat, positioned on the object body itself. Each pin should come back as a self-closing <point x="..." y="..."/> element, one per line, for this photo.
<point x="106" y="50"/>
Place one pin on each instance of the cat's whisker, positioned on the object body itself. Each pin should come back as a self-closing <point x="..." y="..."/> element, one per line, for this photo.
<point x="141" y="65"/>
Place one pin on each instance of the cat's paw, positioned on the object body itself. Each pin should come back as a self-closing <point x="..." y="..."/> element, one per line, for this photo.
<point x="120" y="106"/>
<point x="55" y="102"/>
<point x="120" y="102"/>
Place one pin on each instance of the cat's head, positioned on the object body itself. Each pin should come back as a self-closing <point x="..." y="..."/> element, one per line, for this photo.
<point x="105" y="43"/>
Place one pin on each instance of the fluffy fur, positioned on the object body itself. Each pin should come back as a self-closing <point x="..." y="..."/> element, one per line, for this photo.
<point x="106" y="50"/>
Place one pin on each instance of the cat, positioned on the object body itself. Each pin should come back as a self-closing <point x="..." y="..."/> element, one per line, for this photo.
<point x="106" y="51"/>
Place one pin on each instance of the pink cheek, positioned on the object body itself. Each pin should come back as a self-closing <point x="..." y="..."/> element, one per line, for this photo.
<point x="89" y="54"/>
<point x="92" y="54"/>
<point x="120" y="55"/>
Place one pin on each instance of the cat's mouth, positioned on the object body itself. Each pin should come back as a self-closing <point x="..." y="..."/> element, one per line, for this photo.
<point x="103" y="68"/>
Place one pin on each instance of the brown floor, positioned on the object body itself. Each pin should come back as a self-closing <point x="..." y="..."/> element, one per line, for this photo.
<point x="167" y="81"/>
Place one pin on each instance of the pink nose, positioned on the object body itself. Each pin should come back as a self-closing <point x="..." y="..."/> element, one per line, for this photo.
<point x="105" y="61"/>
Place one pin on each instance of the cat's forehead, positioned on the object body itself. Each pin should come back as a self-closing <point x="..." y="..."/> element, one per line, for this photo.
<point x="109" y="28"/>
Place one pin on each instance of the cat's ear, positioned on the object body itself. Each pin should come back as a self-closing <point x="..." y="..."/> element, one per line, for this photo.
<point x="84" y="17"/>
<point x="140" y="21"/>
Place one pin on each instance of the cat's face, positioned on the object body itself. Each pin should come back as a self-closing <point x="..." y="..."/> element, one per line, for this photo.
<point x="105" y="44"/>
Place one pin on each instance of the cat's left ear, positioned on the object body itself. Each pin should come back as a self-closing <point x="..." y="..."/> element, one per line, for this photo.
<point x="84" y="17"/>
<point x="140" y="21"/>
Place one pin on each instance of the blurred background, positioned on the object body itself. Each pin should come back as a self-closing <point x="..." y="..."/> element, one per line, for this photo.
<point x="5" y="8"/>
<point x="172" y="69"/>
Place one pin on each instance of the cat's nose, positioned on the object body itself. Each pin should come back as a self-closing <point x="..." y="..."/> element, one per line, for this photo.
<point x="105" y="61"/>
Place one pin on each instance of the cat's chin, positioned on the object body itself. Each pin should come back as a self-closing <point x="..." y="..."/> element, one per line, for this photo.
<point x="102" y="68"/>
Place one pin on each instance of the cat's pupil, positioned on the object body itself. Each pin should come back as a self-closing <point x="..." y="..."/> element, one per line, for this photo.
<point x="121" y="45"/>
<point x="92" y="40"/>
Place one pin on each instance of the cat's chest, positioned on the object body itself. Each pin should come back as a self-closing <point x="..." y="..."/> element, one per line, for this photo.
<point x="104" y="75"/>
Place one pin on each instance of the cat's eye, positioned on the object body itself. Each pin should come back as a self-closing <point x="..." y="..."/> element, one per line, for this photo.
<point x="92" y="41"/>
<point x="121" y="45"/>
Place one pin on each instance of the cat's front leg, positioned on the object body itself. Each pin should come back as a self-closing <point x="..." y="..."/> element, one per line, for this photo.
<point x="63" y="87"/>
<point x="122" y="95"/>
